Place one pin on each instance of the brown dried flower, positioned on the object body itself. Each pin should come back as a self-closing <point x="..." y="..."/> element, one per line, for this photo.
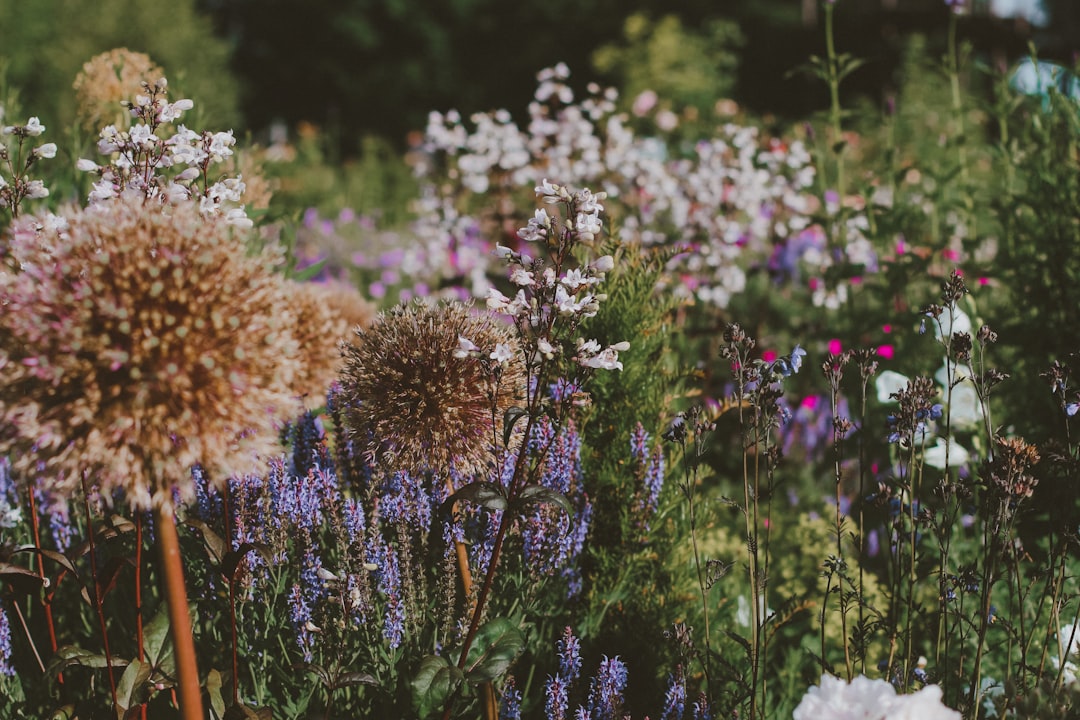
<point x="327" y="315"/>
<point x="419" y="398"/>
<point x="137" y="342"/>
<point x="106" y="81"/>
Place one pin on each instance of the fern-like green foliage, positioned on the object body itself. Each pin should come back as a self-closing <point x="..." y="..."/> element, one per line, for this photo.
<point x="627" y="581"/>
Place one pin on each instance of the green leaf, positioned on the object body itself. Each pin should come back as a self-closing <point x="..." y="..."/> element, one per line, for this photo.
<point x="213" y="689"/>
<point x="136" y="674"/>
<point x="69" y="655"/>
<point x="156" y="638"/>
<point x="309" y="272"/>
<point x="436" y="681"/>
<point x="484" y="493"/>
<point x="216" y="547"/>
<point x="532" y="494"/>
<point x="348" y="679"/>
<point x="232" y="558"/>
<point x="497" y="644"/>
<point x="510" y="419"/>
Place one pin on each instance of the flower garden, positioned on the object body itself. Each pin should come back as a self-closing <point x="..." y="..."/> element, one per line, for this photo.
<point x="633" y="412"/>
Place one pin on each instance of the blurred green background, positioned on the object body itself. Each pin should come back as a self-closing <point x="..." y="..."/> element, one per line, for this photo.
<point x="361" y="68"/>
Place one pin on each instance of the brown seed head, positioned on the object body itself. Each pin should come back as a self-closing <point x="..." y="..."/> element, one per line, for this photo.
<point x="137" y="342"/>
<point x="327" y="315"/>
<point x="415" y="405"/>
<point x="106" y="81"/>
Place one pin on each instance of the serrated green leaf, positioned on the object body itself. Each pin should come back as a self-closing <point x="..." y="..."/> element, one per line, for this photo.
<point x="436" y="680"/>
<point x="497" y="644"/>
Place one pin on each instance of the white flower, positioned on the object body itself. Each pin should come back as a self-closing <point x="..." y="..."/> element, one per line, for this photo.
<point x="548" y="191"/>
<point x="603" y="264"/>
<point x="34" y="127"/>
<point x="965" y="411"/>
<point x="522" y="277"/>
<point x="172" y="111"/>
<point x="465" y="347"/>
<point x="888" y="383"/>
<point x="48" y="150"/>
<point x="866" y="699"/>
<point x="935" y="456"/>
<point x="545" y="348"/>
<point x="575" y="278"/>
<point x="238" y="218"/>
<point x="496" y="300"/>
<point x="502" y="353"/>
<point x="86" y="165"/>
<point x="35" y="190"/>
<point x="951" y="322"/>
<point x="221" y="145"/>
<point x="588" y="226"/>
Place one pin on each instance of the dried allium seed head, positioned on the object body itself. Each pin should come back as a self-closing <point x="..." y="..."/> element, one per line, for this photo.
<point x="415" y="401"/>
<point x="326" y="314"/>
<point x="135" y="344"/>
<point x="106" y="81"/>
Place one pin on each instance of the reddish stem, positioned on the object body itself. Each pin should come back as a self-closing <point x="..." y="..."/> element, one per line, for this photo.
<point x="187" y="670"/>
<point x="47" y="599"/>
<point x="97" y="594"/>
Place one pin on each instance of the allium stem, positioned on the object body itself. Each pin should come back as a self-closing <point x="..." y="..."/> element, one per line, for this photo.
<point x="187" y="671"/>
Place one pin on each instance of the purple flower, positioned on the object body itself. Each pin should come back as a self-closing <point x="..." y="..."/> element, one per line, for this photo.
<point x="702" y="710"/>
<point x="569" y="648"/>
<point x="510" y="708"/>
<point x="675" y="698"/>
<point x="606" y="691"/>
<point x="389" y="578"/>
<point x="6" y="668"/>
<point x="556" y="699"/>
<point x="300" y="614"/>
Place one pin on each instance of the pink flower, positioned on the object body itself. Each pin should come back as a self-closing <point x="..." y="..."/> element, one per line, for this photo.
<point x="886" y="351"/>
<point x="768" y="355"/>
<point x="835" y="347"/>
<point x="886" y="328"/>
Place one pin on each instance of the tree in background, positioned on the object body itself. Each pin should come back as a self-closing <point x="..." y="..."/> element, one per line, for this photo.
<point x="46" y="42"/>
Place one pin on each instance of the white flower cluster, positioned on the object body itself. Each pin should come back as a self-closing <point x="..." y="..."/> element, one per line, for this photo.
<point x="552" y="299"/>
<point x="145" y="163"/>
<point x="728" y="196"/>
<point x="866" y="699"/>
<point x="18" y="186"/>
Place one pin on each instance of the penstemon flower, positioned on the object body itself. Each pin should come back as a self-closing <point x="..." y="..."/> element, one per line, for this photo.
<point x="144" y="162"/>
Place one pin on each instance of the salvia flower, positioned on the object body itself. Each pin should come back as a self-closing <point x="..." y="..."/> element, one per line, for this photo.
<point x="606" y="690"/>
<point x="137" y="343"/>
<point x="510" y="707"/>
<point x="569" y="650"/>
<point x="7" y="669"/>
